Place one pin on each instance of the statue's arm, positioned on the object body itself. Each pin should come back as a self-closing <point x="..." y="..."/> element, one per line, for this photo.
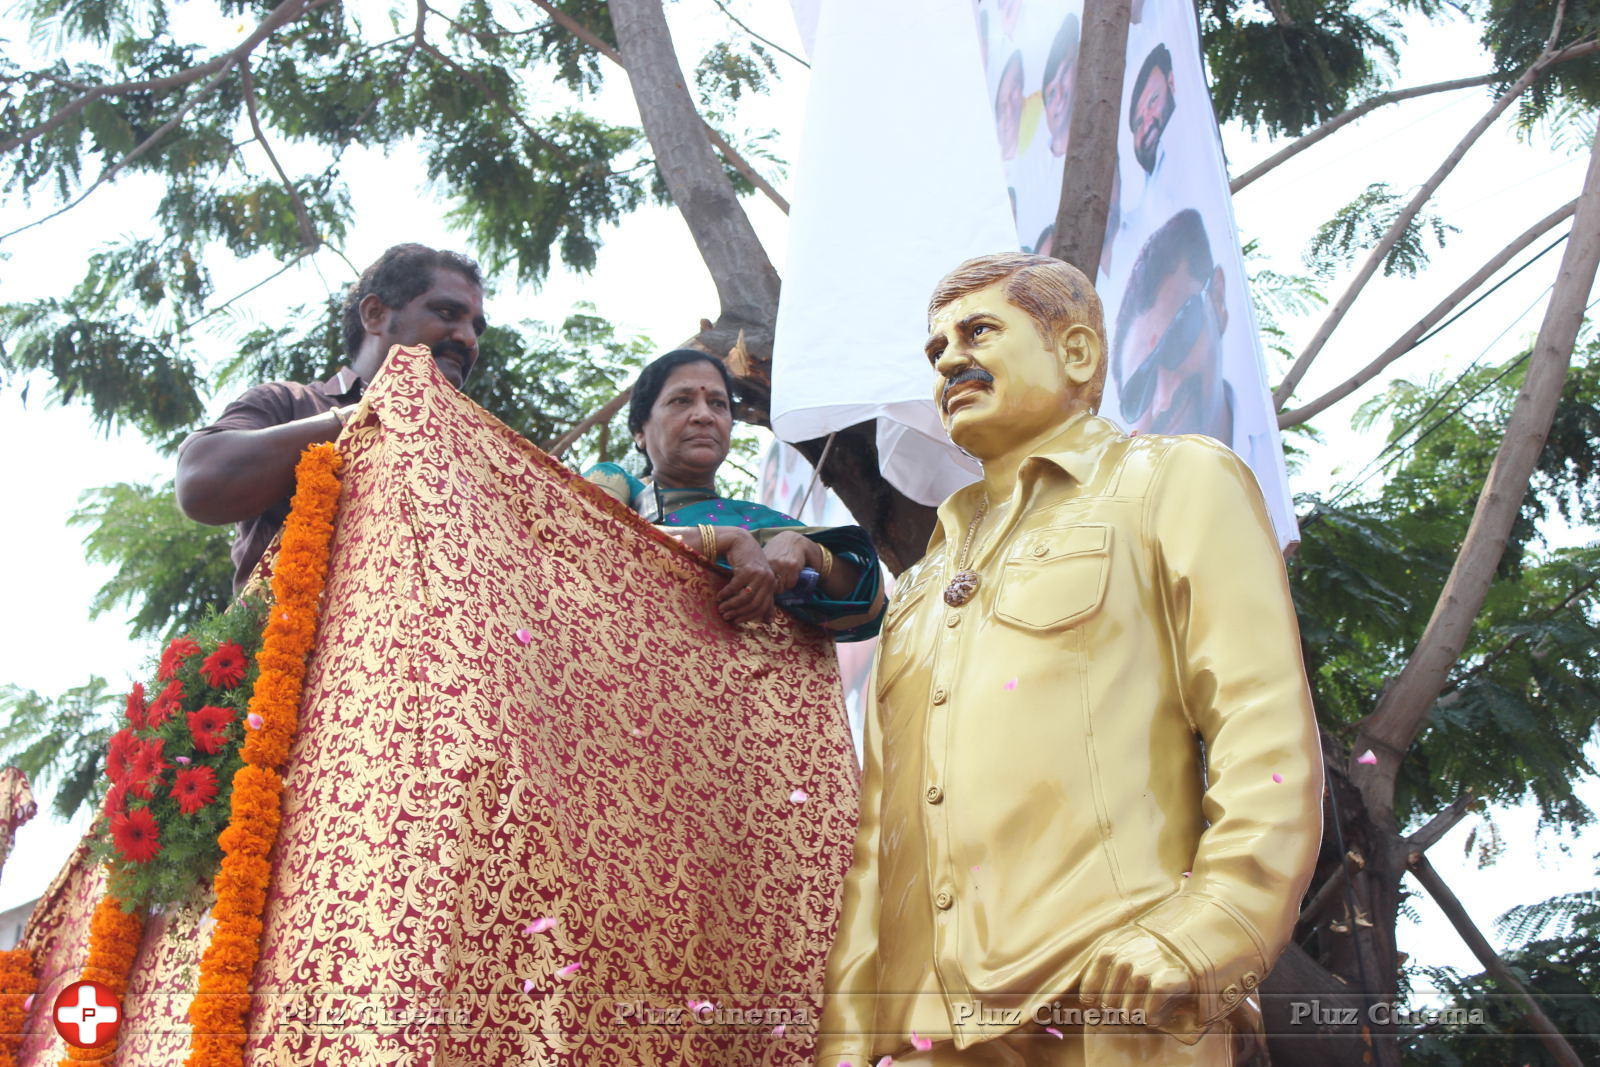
<point x="1237" y="645"/>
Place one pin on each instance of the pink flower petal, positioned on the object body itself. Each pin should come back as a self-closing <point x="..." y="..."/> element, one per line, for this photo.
<point x="254" y="721"/>
<point x="1278" y="779"/>
<point x="799" y="796"/>
<point x="1186" y="874"/>
<point x="1368" y="757"/>
<point x="1010" y="685"/>
<point x="569" y="970"/>
<point x="1057" y="1034"/>
<point x="524" y="638"/>
<point x="779" y="1030"/>
<point x="539" y="926"/>
<point x="181" y="759"/>
<point x="527" y="985"/>
<point x="921" y="1044"/>
<point x="27" y="1004"/>
<point x="636" y="732"/>
<point x="887" y="1061"/>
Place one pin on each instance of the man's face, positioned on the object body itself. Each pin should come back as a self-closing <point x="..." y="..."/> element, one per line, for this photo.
<point x="1173" y="349"/>
<point x="1008" y="110"/>
<point x="997" y="383"/>
<point x="1058" y="106"/>
<point x="447" y="317"/>
<point x="1152" y="108"/>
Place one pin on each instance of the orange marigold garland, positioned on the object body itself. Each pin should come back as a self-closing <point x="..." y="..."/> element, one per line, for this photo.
<point x="222" y="1003"/>
<point x="114" y="936"/>
<point x="17" y="983"/>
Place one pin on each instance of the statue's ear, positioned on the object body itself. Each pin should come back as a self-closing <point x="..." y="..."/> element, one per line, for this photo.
<point x="1081" y="353"/>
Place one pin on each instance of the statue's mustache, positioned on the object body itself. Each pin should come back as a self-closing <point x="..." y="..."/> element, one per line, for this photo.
<point x="970" y="374"/>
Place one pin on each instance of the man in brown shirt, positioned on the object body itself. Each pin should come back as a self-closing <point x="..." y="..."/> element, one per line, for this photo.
<point x="240" y="469"/>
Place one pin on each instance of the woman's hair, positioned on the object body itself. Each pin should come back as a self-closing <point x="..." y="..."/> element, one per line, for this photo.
<point x="654" y="378"/>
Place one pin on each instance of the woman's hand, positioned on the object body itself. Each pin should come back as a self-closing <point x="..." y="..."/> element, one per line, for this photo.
<point x="786" y="553"/>
<point x="688" y="536"/>
<point x="748" y="595"/>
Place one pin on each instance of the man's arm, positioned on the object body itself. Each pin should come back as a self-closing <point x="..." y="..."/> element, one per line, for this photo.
<point x="1237" y="646"/>
<point x="244" y="463"/>
<point x="851" y="985"/>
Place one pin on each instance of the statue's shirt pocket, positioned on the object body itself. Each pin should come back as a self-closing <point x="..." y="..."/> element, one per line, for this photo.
<point x="1056" y="577"/>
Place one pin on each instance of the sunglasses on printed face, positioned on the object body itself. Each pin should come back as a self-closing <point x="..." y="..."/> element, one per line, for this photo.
<point x="1196" y="315"/>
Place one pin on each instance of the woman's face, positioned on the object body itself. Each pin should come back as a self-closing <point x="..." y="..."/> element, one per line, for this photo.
<point x="686" y="436"/>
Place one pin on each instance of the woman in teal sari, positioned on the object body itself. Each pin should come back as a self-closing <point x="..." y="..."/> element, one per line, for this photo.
<point x="681" y="417"/>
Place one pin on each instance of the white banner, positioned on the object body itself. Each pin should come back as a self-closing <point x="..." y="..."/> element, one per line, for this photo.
<point x="935" y="131"/>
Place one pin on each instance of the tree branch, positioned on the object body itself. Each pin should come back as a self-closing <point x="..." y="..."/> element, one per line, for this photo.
<point x="1489" y="660"/>
<point x="1089" y="170"/>
<point x="737" y="21"/>
<point x="1412" y="337"/>
<point x="308" y="233"/>
<point x="1397" y="229"/>
<point x="599" y="415"/>
<point x="1415" y="844"/>
<point x="1338" y="122"/>
<point x="298" y="8"/>
<point x="1404" y="706"/>
<point x="1537" y="1020"/>
<point x="735" y="160"/>
<point x="286" y="12"/>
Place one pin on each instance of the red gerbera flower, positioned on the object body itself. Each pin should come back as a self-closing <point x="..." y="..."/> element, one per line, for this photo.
<point x="179" y="650"/>
<point x="116" y="801"/>
<point x="136" y="835"/>
<point x="194" y="788"/>
<point x="145" y="767"/>
<point x="118" y="753"/>
<point x="224" y="668"/>
<point x="206" y="726"/>
<point x="164" y="705"/>
<point x="136" y="706"/>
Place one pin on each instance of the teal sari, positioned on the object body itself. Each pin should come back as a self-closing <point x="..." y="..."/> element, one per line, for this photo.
<point x="855" y="618"/>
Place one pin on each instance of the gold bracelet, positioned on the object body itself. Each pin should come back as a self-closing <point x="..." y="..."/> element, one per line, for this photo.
<point x="708" y="542"/>
<point x="827" y="563"/>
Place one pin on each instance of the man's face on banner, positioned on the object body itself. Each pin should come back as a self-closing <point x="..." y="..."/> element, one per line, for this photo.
<point x="1058" y="106"/>
<point x="1172" y="366"/>
<point x="1008" y="107"/>
<point x="1152" y="109"/>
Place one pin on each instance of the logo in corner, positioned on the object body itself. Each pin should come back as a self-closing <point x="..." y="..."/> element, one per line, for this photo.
<point x="87" y="1014"/>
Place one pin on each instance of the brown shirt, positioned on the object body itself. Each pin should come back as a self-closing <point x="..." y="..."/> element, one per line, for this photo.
<point x="273" y="404"/>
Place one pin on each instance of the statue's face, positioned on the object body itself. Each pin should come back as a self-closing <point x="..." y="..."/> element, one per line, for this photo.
<point x="998" y="384"/>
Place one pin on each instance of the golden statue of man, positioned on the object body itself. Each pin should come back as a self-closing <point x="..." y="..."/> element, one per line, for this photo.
<point x="1092" y="791"/>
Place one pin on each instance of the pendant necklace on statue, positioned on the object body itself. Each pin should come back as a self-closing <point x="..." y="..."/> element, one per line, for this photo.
<point x="965" y="583"/>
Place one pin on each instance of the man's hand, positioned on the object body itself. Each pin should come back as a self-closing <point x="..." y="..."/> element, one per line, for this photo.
<point x="1132" y="971"/>
<point x="748" y="595"/>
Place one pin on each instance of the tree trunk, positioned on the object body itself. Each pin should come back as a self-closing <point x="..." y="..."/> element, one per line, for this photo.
<point x="747" y="284"/>
<point x="1091" y="164"/>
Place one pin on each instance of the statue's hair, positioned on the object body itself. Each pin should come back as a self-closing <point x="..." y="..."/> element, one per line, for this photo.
<point x="1054" y="293"/>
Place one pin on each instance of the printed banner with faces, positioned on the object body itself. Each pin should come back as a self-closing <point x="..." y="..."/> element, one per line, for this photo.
<point x="937" y="130"/>
<point x="1184" y="348"/>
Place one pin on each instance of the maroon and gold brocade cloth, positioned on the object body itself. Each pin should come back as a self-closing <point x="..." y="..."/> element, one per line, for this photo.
<point x="679" y="795"/>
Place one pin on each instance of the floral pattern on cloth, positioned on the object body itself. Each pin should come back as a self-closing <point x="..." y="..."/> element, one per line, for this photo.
<point x="498" y="852"/>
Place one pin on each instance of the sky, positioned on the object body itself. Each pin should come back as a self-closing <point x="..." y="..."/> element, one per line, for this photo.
<point x="650" y="281"/>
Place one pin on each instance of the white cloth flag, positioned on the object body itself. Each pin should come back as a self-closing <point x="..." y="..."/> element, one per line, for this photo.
<point x="935" y="131"/>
